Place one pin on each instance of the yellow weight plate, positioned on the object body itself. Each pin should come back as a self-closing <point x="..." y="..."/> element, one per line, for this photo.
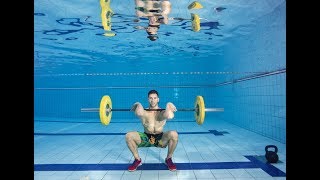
<point x="199" y="110"/>
<point x="195" y="5"/>
<point x="105" y="104"/>
<point x="195" y="20"/>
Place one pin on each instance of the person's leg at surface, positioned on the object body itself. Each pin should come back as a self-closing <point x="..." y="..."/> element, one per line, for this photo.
<point x="170" y="138"/>
<point x="140" y="6"/>
<point x="133" y="140"/>
<point x="166" y="8"/>
<point x="139" y="3"/>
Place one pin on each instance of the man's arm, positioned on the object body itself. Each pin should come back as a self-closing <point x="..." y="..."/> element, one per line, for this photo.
<point x="168" y="113"/>
<point x="138" y="109"/>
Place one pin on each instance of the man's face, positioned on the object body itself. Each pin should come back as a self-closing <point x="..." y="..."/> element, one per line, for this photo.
<point x="153" y="100"/>
<point x="152" y="30"/>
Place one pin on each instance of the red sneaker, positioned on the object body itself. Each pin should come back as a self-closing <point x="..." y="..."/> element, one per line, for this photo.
<point x="136" y="163"/>
<point x="171" y="166"/>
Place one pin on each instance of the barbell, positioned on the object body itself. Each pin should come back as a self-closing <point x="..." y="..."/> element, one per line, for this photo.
<point x="106" y="103"/>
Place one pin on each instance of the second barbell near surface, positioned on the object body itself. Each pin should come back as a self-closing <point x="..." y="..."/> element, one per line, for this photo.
<point x="105" y="110"/>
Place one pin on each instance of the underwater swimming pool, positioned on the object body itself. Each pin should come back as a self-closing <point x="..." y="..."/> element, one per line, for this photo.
<point x="233" y="55"/>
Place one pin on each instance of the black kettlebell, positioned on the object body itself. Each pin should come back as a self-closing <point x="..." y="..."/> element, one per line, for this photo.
<point x="272" y="156"/>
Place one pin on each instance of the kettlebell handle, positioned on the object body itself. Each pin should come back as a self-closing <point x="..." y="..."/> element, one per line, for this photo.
<point x="271" y="146"/>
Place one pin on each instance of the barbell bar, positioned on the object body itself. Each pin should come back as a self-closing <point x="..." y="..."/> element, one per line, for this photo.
<point x="106" y="103"/>
<point x="184" y="109"/>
